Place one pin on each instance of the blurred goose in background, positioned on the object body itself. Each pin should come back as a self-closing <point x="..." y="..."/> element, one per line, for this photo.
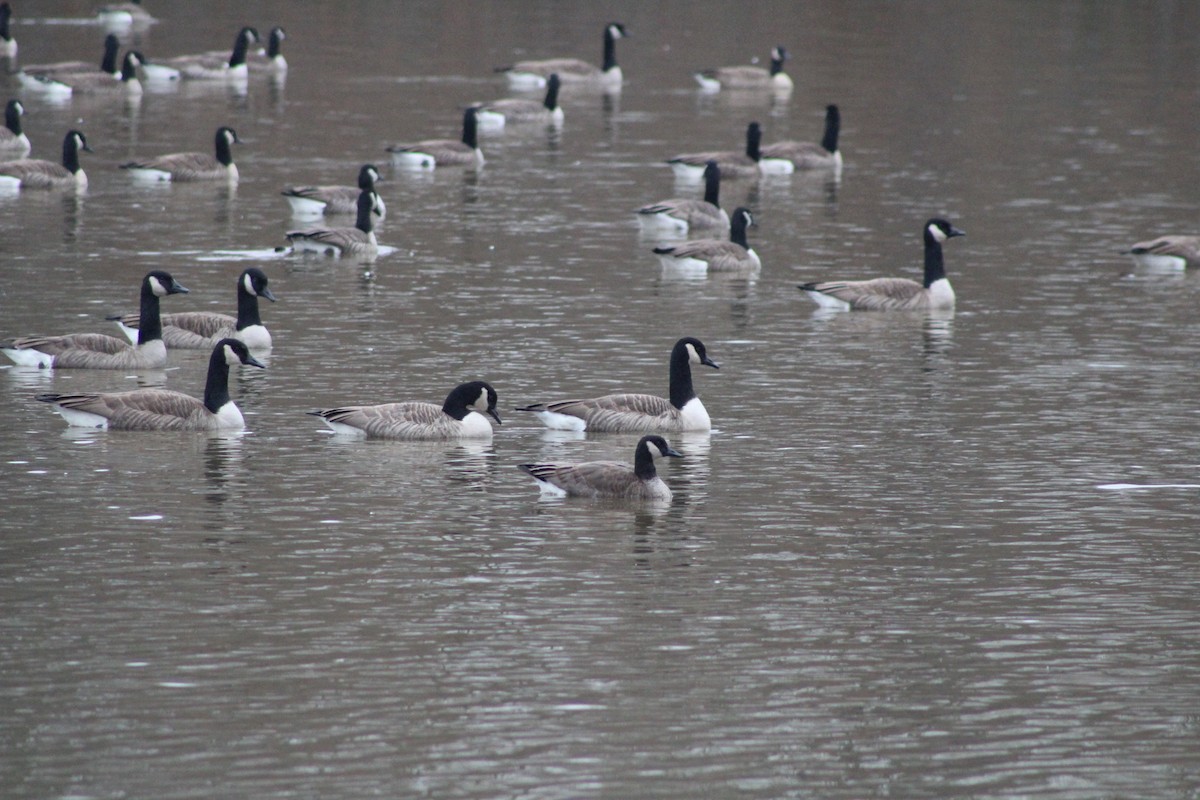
<point x="1167" y="252"/>
<point x="748" y="76"/>
<point x="681" y="214"/>
<point x="155" y="409"/>
<point x="359" y="240"/>
<point x="13" y="141"/>
<point x="614" y="479"/>
<point x="896" y="294"/>
<point x="533" y="74"/>
<point x="430" y="153"/>
<point x="108" y="65"/>
<point x="89" y="82"/>
<point x="98" y="351"/>
<point x="200" y="330"/>
<point x="273" y="57"/>
<point x="810" y="155"/>
<point x="36" y="173"/>
<point x="124" y="15"/>
<point x="522" y="110"/>
<point x="8" y="45"/>
<point x="461" y="416"/>
<point x="315" y="201"/>
<point x="715" y="255"/>
<point x="638" y="413"/>
<point x="207" y="66"/>
<point x="748" y="163"/>
<point x="182" y="167"/>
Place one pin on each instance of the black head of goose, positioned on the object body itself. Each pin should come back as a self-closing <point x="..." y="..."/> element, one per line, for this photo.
<point x="681" y="214"/>
<point x="430" y="153"/>
<point x="13" y="141"/>
<point x="715" y="255"/>
<point x="811" y="155"/>
<point x="315" y="201"/>
<point x="184" y="167"/>
<point x="533" y="74"/>
<point x="748" y="76"/>
<point x="36" y="173"/>
<point x="611" y="479"/>
<point x="359" y="240"/>
<point x="461" y="416"/>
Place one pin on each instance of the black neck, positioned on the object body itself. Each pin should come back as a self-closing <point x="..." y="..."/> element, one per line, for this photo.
<point x="551" y="101"/>
<point x="455" y="408"/>
<point x="776" y="66"/>
<point x="712" y="188"/>
<point x="224" y="149"/>
<point x="833" y="124"/>
<point x="365" y="205"/>
<point x="238" y="56"/>
<point x="681" y="377"/>
<point x="70" y="155"/>
<point x="610" y="50"/>
<point x="247" y="307"/>
<point x="129" y="68"/>
<point x="470" y="135"/>
<point x="737" y="230"/>
<point x="108" y="63"/>
<point x="274" y="44"/>
<point x="643" y="463"/>
<point x="149" y="321"/>
<point x="5" y="13"/>
<point x="935" y="267"/>
<point x="754" y="142"/>
<point x="216" y="388"/>
<point x="12" y="119"/>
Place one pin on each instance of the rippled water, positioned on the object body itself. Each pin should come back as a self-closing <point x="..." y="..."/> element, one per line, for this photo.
<point x="917" y="557"/>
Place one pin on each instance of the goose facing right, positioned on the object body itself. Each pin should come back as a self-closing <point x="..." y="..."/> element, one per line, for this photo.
<point x="1167" y="252"/>
<point x="461" y="416"/>
<point x="156" y="409"/>
<point x="748" y="163"/>
<point x="13" y="141"/>
<point x="315" y="201"/>
<point x="613" y="479"/>
<point x="36" y="173"/>
<point x="748" y="76"/>
<point x="207" y="66"/>
<point x="715" y="255"/>
<point x="682" y="214"/>
<point x="522" y="110"/>
<point x="430" y="153"/>
<point x="811" y="155"/>
<point x="358" y="241"/>
<point x="108" y="64"/>
<point x="533" y="74"/>
<point x="183" y="167"/>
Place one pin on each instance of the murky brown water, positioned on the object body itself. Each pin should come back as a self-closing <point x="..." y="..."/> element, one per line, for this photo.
<point x="908" y="562"/>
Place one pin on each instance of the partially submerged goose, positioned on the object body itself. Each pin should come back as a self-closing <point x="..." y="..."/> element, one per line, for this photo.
<point x="181" y="167"/>
<point x="810" y="155"/>
<point x="533" y="74"/>
<point x="896" y="294"/>
<point x="638" y="413"/>
<point x="359" y="240"/>
<point x="748" y="163"/>
<point x="681" y="214"/>
<point x="715" y="255"/>
<point x="748" y="76"/>
<point x="200" y="330"/>
<point x="207" y="66"/>
<point x="36" y="173"/>
<point x="315" y="201"/>
<point x="13" y="141"/>
<point x="613" y="479"/>
<point x="430" y="153"/>
<point x="461" y="416"/>
<point x="522" y="111"/>
<point x="163" y="409"/>
<point x="98" y="351"/>
<point x="1167" y="252"/>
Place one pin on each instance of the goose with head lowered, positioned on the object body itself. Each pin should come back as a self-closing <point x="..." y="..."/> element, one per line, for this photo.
<point x="13" y="141"/>
<point x="163" y="409"/>
<point x="613" y="479"/>
<point x="98" y="351"/>
<point x="461" y="416"/>
<point x="207" y="66"/>
<point x="638" y="413"/>
<point x="495" y="115"/>
<point x="200" y="330"/>
<point x="315" y="201"/>
<point x="748" y="76"/>
<point x="715" y="255"/>
<point x="748" y="163"/>
<point x="1167" y="252"/>
<point x="811" y="155"/>
<point x="36" y="173"/>
<point x="184" y="167"/>
<point x="896" y="294"/>
<point x="357" y="241"/>
<point x="430" y="153"/>
<point x="682" y="214"/>
<point x="533" y="74"/>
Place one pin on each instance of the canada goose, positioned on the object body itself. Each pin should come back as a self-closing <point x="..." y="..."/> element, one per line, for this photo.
<point x="163" y="409"/>
<point x="207" y="66"/>
<point x="638" y="413"/>
<point x="35" y="173"/>
<point x="715" y="255"/>
<point x="460" y="417"/>
<point x="896" y="294"/>
<point x="747" y="164"/>
<point x="13" y="141"/>
<point x="359" y="240"/>
<point x="314" y="201"/>
<point x="679" y="215"/>
<point x="91" y="81"/>
<point x="200" y="330"/>
<point x="809" y="155"/>
<point x="98" y="351"/>
<point x="521" y="110"/>
<point x="1167" y="252"/>
<point x="182" y="167"/>
<point x="124" y="15"/>
<point x="533" y="74"/>
<point x="8" y="45"/>
<point x="608" y="478"/>
<point x="748" y="77"/>
<point x="108" y="65"/>
<point x="429" y="153"/>
<point x="273" y="58"/>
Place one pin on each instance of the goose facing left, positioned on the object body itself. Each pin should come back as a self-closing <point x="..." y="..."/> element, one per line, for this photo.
<point x="357" y="241"/>
<point x="715" y="255"/>
<point x="13" y="141"/>
<point x="181" y="167"/>
<point x="461" y="416"/>
<point x="98" y="351"/>
<point x="36" y="173"/>
<point x="430" y="153"/>
<point x="163" y="409"/>
<point x="614" y="479"/>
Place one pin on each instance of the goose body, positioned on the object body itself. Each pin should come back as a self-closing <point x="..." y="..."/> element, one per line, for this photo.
<point x="1167" y="252"/>
<point x="359" y="240"/>
<point x="208" y="66"/>
<point x="522" y="110"/>
<point x="184" y="167"/>
<point x="97" y="351"/>
<point x="13" y="141"/>
<point x="748" y="76"/>
<point x="533" y="74"/>
<point x="682" y="214"/>
<point x="810" y="155"/>
<point x="896" y="294"/>
<point x="315" y="201"/>
<point x="36" y="173"/>
<point x="715" y="255"/>
<point x="200" y="330"/>
<point x="638" y="413"/>
<point x="8" y="45"/>
<point x="124" y="15"/>
<point x="108" y="65"/>
<point x="613" y="479"/>
<point x="461" y="416"/>
<point x="93" y="81"/>
<point x="273" y="58"/>
<point x="431" y="153"/>
<point x="163" y="409"/>
<point x="746" y="164"/>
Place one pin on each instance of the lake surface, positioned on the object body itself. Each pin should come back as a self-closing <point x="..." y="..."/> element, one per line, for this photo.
<point x="950" y="556"/>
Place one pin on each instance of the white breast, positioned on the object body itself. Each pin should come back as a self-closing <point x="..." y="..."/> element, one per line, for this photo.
<point x="476" y="426"/>
<point x="229" y="417"/>
<point x="256" y="337"/>
<point x="694" y="416"/>
<point x="941" y="295"/>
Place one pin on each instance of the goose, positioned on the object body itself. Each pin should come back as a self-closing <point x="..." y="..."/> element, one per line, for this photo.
<point x="638" y="413"/>
<point x="314" y="201"/>
<point x="124" y="15"/>
<point x="359" y="240"/>
<point x="200" y="330"/>
<point x="163" y="409"/>
<point x="91" y="81"/>
<point x="460" y="417"/>
<point x="534" y="74"/>
<point x="679" y="215"/>
<point x="108" y="65"/>
<point x="13" y="141"/>
<point x="98" y="351"/>
<point x="36" y="173"/>
<point x="896" y="294"/>
<point x="1167" y="252"/>
<point x="429" y="153"/>
<point x="747" y="164"/>
<point x="614" y="479"/>
<point x="207" y="66"/>
<point x="715" y="255"/>
<point x="748" y="77"/>
<point x="181" y="167"/>
<point x="810" y="155"/>
<point x="8" y="45"/>
<point x="521" y="110"/>
<point x="273" y="57"/>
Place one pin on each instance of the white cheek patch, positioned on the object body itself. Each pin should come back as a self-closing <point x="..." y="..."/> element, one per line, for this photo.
<point x="693" y="356"/>
<point x="249" y="284"/>
<point x="231" y="358"/>
<point x="157" y="287"/>
<point x="937" y="233"/>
